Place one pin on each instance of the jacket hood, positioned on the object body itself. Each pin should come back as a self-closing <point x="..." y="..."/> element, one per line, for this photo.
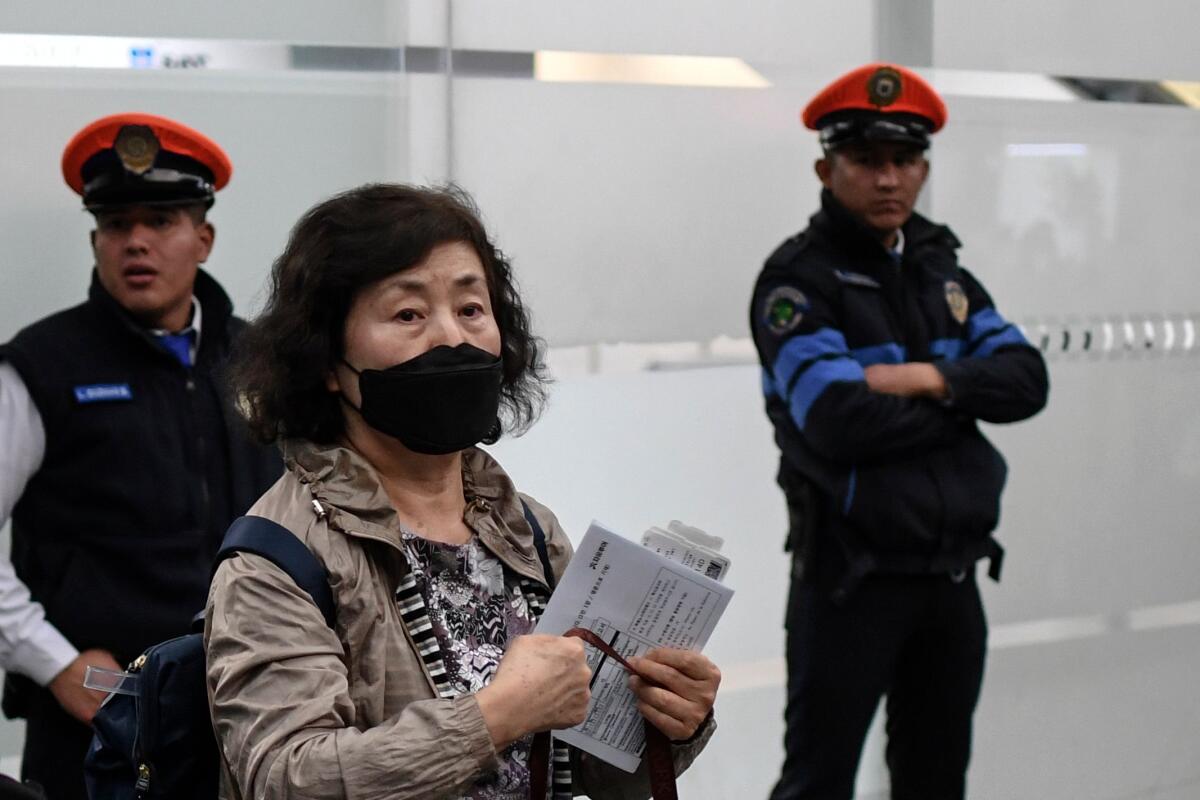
<point x="347" y="487"/>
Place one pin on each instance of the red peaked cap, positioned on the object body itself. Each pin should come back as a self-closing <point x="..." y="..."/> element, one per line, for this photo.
<point x="190" y="165"/>
<point x="876" y="92"/>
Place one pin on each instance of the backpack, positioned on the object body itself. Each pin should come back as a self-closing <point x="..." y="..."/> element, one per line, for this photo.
<point x="159" y="742"/>
<point x="12" y="789"/>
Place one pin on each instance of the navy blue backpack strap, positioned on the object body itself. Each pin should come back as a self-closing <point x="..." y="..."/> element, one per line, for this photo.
<point x="272" y="541"/>
<point x="539" y="541"/>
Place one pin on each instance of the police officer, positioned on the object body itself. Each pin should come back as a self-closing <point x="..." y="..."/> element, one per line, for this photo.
<point x="124" y="457"/>
<point x="880" y="356"/>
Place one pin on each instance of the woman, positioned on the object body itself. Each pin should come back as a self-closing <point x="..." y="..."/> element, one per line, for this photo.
<point x="392" y="340"/>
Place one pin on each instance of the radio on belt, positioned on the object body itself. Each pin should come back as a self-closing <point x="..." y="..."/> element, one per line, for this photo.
<point x="689" y="546"/>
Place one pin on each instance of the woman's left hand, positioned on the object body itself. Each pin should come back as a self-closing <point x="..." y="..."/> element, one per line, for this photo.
<point x="678" y="690"/>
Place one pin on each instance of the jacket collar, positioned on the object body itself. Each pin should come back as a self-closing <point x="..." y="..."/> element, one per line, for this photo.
<point x="348" y="490"/>
<point x="851" y="235"/>
<point x="218" y="309"/>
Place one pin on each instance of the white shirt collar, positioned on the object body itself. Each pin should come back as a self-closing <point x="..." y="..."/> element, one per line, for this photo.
<point x="193" y="325"/>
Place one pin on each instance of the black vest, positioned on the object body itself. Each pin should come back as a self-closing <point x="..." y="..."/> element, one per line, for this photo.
<point x="146" y="464"/>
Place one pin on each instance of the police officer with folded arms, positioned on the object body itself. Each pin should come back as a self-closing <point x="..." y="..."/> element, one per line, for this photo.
<point x="124" y="458"/>
<point x="881" y="354"/>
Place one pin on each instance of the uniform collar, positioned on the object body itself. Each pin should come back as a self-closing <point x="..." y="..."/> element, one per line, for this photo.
<point x="897" y="249"/>
<point x="193" y="327"/>
<point x="835" y="221"/>
<point x="207" y="294"/>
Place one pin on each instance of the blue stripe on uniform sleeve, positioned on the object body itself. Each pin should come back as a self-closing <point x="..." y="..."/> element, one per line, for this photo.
<point x="984" y="322"/>
<point x="948" y="349"/>
<point x="816" y="379"/>
<point x="768" y="383"/>
<point x="991" y="344"/>
<point x="888" y="353"/>
<point x="807" y="364"/>
<point x="988" y="331"/>
<point x="798" y="351"/>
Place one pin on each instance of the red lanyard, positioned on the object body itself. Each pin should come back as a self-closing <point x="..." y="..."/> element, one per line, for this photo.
<point x="659" y="763"/>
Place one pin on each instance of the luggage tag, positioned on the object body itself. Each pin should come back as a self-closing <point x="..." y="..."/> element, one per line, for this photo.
<point x="689" y="546"/>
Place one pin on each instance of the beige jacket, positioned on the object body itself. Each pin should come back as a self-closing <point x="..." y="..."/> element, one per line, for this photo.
<point x="305" y="711"/>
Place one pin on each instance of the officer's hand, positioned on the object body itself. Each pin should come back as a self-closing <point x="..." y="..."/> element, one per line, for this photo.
<point x="67" y="687"/>
<point x="678" y="690"/>
<point x="542" y="684"/>
<point x="915" y="379"/>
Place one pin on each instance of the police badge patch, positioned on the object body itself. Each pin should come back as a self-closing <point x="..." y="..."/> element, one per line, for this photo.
<point x="784" y="308"/>
<point x="956" y="299"/>
<point x="884" y="87"/>
<point x="136" y="146"/>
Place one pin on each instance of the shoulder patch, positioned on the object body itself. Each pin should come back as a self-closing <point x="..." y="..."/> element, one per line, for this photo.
<point x="856" y="279"/>
<point x="956" y="299"/>
<point x="783" y="309"/>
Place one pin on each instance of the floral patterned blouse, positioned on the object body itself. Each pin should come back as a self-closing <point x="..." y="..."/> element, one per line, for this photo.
<point x="474" y="606"/>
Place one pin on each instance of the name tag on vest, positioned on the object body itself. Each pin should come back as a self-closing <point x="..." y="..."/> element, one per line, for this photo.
<point x="103" y="393"/>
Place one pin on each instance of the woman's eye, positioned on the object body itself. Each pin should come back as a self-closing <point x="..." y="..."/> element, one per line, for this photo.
<point x="407" y="315"/>
<point x="472" y="311"/>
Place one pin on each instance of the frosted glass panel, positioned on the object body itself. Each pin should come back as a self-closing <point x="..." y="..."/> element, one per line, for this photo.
<point x="1150" y="41"/>
<point x="812" y="32"/>
<point x="365" y="22"/>
<point x="635" y="213"/>
<point x="1078" y="208"/>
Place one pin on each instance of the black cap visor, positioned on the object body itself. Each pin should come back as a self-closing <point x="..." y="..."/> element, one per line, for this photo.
<point x="148" y="189"/>
<point x="180" y="181"/>
<point x="841" y="129"/>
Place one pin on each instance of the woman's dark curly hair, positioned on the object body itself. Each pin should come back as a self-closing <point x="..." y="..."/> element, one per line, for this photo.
<point x="336" y="249"/>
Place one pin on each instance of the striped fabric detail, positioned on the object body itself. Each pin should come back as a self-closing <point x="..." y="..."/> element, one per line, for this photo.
<point x="561" y="781"/>
<point x="987" y="332"/>
<point x="562" y="778"/>
<point x="807" y="365"/>
<point x="535" y="596"/>
<point x="416" y="619"/>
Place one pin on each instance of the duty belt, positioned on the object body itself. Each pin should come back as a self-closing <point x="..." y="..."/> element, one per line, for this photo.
<point x="952" y="564"/>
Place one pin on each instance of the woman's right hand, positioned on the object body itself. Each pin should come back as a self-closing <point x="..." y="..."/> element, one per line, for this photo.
<point x="541" y="684"/>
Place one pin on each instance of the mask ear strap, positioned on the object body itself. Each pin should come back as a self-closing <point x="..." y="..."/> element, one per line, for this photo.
<point x="341" y="394"/>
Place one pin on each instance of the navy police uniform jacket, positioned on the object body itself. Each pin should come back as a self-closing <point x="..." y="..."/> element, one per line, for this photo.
<point x="146" y="463"/>
<point x="901" y="484"/>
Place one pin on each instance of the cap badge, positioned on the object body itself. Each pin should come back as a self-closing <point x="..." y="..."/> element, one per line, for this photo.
<point x="956" y="299"/>
<point x="884" y="87"/>
<point x="784" y="308"/>
<point x="136" y="146"/>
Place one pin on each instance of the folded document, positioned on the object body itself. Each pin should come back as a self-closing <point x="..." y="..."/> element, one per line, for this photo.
<point x="636" y="599"/>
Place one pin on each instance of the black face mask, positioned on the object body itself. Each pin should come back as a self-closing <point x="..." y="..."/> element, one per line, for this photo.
<point x="442" y="401"/>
